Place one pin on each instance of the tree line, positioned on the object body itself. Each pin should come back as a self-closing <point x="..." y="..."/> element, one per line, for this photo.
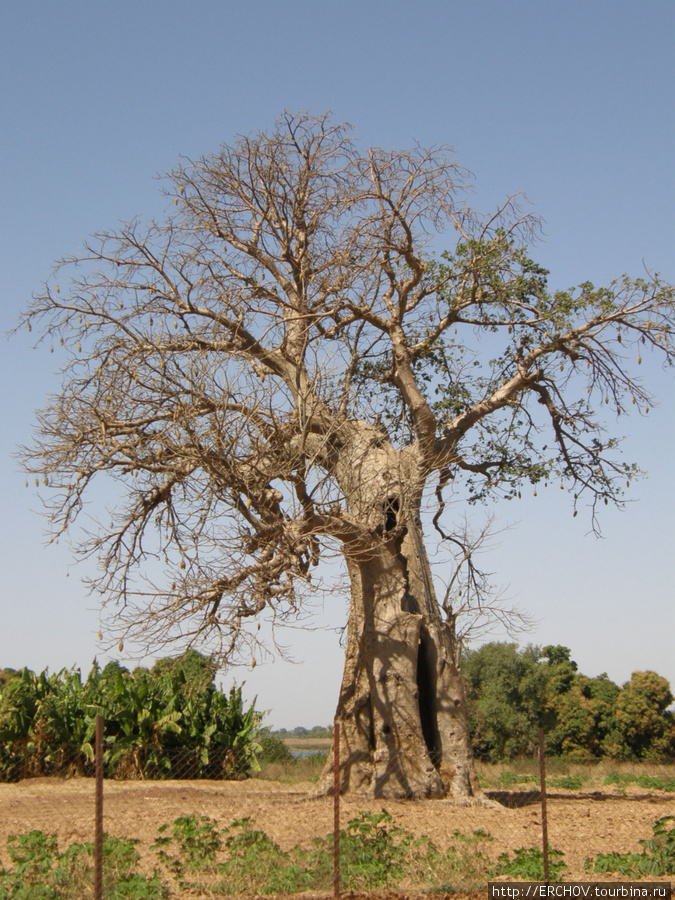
<point x="170" y="721"/>
<point x="513" y="691"/>
<point x="316" y="731"/>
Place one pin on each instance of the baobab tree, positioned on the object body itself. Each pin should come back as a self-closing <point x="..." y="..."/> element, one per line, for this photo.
<point x="282" y="368"/>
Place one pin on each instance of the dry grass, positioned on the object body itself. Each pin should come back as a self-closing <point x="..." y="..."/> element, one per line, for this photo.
<point x="294" y="771"/>
<point x="594" y="773"/>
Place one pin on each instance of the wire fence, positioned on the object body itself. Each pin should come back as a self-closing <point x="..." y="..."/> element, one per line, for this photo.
<point x="206" y="825"/>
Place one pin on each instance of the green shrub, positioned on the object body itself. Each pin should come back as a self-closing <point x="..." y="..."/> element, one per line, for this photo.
<point x="255" y="862"/>
<point x="40" y="872"/>
<point x="528" y="864"/>
<point x="273" y="749"/>
<point x="657" y="858"/>
<point x="653" y="781"/>
<point x="197" y="841"/>
<point x="645" y="781"/>
<point x="569" y="782"/>
<point x="508" y="779"/>
<point x="374" y="853"/>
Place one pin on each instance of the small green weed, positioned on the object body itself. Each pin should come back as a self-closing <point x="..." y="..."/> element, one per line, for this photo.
<point x="508" y="779"/>
<point x="657" y="857"/>
<point x="374" y="853"/>
<point x="256" y="862"/>
<point x="197" y="840"/>
<point x="528" y="864"/>
<point x="654" y="782"/>
<point x="40" y="872"/>
<point x="569" y="782"/>
<point x="463" y="864"/>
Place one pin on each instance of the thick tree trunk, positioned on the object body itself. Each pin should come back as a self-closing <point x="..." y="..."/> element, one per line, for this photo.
<point x="402" y="712"/>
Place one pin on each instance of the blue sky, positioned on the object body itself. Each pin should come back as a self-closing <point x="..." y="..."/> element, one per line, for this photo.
<point x="570" y="102"/>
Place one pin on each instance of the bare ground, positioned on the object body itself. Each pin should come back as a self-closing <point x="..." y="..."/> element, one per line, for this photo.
<point x="578" y="826"/>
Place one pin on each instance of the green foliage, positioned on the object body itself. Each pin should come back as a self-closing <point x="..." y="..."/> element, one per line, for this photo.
<point x="579" y="710"/>
<point x="40" y="872"/>
<point x="568" y="782"/>
<point x="575" y="775"/>
<point x="507" y="697"/>
<point x="641" y="712"/>
<point x="374" y="853"/>
<point x="254" y="859"/>
<point x="45" y="725"/>
<point x="559" y="656"/>
<point x="463" y="864"/>
<point x="317" y="731"/>
<point x="197" y="840"/>
<point x="657" y="858"/>
<point x="508" y="779"/>
<point x="273" y="749"/>
<point x="189" y="851"/>
<point x="594" y="717"/>
<point x="645" y="781"/>
<point x="512" y="691"/>
<point x="528" y="864"/>
<point x="168" y="722"/>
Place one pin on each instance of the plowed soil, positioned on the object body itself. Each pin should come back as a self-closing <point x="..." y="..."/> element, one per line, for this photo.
<point x="578" y="826"/>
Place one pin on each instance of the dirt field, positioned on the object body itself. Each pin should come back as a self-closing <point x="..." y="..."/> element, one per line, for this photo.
<point x="289" y="815"/>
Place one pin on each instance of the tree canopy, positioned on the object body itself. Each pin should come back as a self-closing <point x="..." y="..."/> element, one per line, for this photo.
<point x="216" y="359"/>
<point x="513" y="691"/>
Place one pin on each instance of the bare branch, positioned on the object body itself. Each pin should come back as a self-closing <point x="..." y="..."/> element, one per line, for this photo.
<point x="281" y="364"/>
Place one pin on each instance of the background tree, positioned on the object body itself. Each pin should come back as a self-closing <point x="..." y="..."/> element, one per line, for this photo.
<point x="512" y="691"/>
<point x="507" y="693"/>
<point x="646" y="724"/>
<point x="580" y="711"/>
<point x="280" y="368"/>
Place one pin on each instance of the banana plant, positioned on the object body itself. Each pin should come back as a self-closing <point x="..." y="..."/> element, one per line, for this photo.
<point x="171" y="721"/>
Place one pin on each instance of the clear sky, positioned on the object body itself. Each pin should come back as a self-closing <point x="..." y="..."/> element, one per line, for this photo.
<point x="571" y="102"/>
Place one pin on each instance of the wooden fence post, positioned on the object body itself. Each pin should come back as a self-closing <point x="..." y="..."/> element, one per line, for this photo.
<point x="544" y="820"/>
<point x="336" y="809"/>
<point x="98" y="827"/>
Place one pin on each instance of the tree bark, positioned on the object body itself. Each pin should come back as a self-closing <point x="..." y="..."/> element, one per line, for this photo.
<point x="402" y="711"/>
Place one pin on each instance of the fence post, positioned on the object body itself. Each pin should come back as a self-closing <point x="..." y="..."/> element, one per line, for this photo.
<point x="98" y="828"/>
<point x="336" y="808"/>
<point x="544" y="820"/>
